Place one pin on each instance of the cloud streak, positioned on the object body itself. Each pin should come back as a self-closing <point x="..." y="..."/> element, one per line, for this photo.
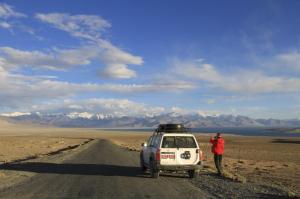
<point x="241" y="81"/>
<point x="90" y="28"/>
<point x="22" y="90"/>
<point x="84" y="26"/>
<point x="7" y="14"/>
<point x="289" y="60"/>
<point x="65" y="59"/>
<point x="7" y="11"/>
<point x="114" y="107"/>
<point x="55" y="60"/>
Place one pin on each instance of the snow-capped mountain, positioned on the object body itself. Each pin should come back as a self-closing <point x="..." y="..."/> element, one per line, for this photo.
<point x="86" y="115"/>
<point x="86" y="119"/>
<point x="14" y="114"/>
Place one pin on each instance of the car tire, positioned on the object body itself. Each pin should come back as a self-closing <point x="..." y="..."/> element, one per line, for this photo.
<point x="192" y="174"/>
<point x="153" y="171"/>
<point x="142" y="163"/>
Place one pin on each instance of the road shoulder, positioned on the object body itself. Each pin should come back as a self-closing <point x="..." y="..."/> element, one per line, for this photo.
<point x="12" y="178"/>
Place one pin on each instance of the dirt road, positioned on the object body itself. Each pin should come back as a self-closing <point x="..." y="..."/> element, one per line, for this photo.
<point x="103" y="170"/>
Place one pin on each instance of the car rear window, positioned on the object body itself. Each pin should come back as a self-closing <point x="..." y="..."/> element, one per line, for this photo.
<point x="178" y="142"/>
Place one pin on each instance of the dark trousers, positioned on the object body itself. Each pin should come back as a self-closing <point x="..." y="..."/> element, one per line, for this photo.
<point x="218" y="162"/>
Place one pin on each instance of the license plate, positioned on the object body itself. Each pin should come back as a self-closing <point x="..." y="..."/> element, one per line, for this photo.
<point x="167" y="156"/>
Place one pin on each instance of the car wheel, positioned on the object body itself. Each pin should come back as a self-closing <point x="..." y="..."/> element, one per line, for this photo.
<point x="153" y="171"/>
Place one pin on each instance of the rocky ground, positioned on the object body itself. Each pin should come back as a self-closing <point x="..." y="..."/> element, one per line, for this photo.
<point x="223" y="187"/>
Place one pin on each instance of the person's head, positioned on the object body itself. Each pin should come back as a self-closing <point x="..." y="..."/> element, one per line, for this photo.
<point x="218" y="135"/>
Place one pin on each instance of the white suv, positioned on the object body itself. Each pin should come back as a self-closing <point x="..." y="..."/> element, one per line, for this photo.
<point x="171" y="148"/>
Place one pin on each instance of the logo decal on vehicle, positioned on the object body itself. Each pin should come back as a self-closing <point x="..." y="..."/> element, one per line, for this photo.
<point x="186" y="155"/>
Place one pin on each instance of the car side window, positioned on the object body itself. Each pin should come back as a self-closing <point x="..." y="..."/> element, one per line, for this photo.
<point x="152" y="141"/>
<point x="157" y="141"/>
<point x="149" y="141"/>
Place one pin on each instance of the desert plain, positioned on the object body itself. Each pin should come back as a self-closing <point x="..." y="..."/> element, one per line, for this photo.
<point x="270" y="160"/>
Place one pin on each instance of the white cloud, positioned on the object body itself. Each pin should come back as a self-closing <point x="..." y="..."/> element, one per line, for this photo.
<point x="115" y="107"/>
<point x="287" y="61"/>
<point x="150" y="87"/>
<point x="196" y="70"/>
<point x="118" y="71"/>
<point x="77" y="56"/>
<point x="5" y="25"/>
<point x="14" y="58"/>
<point x="7" y="14"/>
<point x="55" y="60"/>
<point x="36" y="88"/>
<point x="90" y="28"/>
<point x="87" y="27"/>
<point x="206" y="113"/>
<point x="84" y="26"/>
<point x="179" y="111"/>
<point x="64" y="59"/>
<point x="114" y="55"/>
<point x="241" y="81"/>
<point x="6" y="11"/>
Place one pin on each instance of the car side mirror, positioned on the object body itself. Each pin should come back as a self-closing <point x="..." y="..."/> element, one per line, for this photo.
<point x="144" y="144"/>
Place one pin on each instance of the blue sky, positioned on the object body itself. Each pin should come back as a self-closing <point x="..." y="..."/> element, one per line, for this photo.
<point x="151" y="57"/>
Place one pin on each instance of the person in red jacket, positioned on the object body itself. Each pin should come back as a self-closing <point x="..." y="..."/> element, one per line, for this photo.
<point x="217" y="149"/>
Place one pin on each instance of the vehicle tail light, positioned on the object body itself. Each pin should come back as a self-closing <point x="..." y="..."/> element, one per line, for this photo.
<point x="157" y="155"/>
<point x="201" y="154"/>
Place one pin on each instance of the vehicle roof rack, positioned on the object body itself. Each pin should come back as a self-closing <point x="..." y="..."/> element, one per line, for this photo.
<point x="171" y="128"/>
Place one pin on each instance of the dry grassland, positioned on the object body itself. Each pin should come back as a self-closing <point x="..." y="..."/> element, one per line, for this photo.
<point x="263" y="159"/>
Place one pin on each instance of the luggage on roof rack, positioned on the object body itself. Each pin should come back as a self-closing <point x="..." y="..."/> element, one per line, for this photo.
<point x="171" y="128"/>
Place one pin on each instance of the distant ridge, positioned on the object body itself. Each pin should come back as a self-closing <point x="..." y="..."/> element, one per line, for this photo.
<point x="4" y="123"/>
<point x="109" y="121"/>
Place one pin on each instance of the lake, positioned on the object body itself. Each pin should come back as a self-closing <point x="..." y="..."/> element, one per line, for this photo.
<point x="246" y="131"/>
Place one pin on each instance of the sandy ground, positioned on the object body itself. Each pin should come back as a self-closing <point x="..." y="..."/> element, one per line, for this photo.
<point x="19" y="142"/>
<point x="266" y="159"/>
<point x="15" y="148"/>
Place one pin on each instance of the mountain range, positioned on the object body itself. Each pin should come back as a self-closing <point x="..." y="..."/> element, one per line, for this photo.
<point x="90" y="120"/>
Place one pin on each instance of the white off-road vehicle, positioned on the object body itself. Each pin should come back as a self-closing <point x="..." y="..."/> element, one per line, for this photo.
<point x="171" y="149"/>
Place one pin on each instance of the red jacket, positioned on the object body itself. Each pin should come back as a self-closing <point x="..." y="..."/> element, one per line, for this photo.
<point x="217" y="145"/>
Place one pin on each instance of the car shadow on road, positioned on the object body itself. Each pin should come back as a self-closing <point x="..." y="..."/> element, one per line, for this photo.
<point x="76" y="169"/>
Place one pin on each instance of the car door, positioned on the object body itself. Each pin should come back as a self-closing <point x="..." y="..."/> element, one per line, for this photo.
<point x="147" y="150"/>
<point x="168" y="151"/>
<point x="186" y="150"/>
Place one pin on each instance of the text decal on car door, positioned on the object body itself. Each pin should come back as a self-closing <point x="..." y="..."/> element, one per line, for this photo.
<point x="167" y="155"/>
